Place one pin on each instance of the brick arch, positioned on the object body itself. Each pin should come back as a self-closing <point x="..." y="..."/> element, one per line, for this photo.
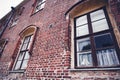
<point x="82" y="6"/>
<point x="28" y="30"/>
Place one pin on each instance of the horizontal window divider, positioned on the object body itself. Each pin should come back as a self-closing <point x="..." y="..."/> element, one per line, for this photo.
<point x="17" y="71"/>
<point x="97" y="33"/>
<point x="93" y="69"/>
<point x="81" y="25"/>
<point x="110" y="47"/>
<point x="84" y="51"/>
<point x="98" y="20"/>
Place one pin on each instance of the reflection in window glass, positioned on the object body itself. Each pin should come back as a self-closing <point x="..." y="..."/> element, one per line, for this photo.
<point x="107" y="57"/>
<point x="40" y="5"/>
<point x="24" y="64"/>
<point x="17" y="65"/>
<point x="81" y="20"/>
<point x="21" y="56"/>
<point x="83" y="44"/>
<point x="100" y="25"/>
<point x="26" y="40"/>
<point x="82" y="30"/>
<point x="97" y="15"/>
<point x="24" y="46"/>
<point x="102" y="41"/>
<point x="27" y="55"/>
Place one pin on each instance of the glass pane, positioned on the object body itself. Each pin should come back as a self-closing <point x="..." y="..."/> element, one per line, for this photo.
<point x="24" y="47"/>
<point x="17" y="66"/>
<point x="27" y="55"/>
<point x="21" y="56"/>
<point x="43" y="0"/>
<point x="24" y="65"/>
<point x="82" y="30"/>
<point x="97" y="15"/>
<point x="85" y="59"/>
<point x="31" y="38"/>
<point x="42" y="5"/>
<point x="107" y="57"/>
<point x="100" y="25"/>
<point x="26" y="40"/>
<point x="83" y="44"/>
<point x="29" y="45"/>
<point x="102" y="41"/>
<point x="36" y="10"/>
<point x="39" y="2"/>
<point x="81" y="20"/>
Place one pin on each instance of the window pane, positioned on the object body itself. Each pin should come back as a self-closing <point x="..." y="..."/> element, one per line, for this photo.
<point x="100" y="25"/>
<point x="21" y="56"/>
<point x="82" y="30"/>
<point x="107" y="57"/>
<point x="26" y="40"/>
<point x="17" y="66"/>
<point x="42" y="5"/>
<point x="85" y="59"/>
<point x="27" y="55"/>
<point x="24" y="47"/>
<point x="43" y="0"/>
<point x="81" y="20"/>
<point x="83" y="44"/>
<point x="102" y="41"/>
<point x="31" y="38"/>
<point x="24" y="65"/>
<point x="97" y="15"/>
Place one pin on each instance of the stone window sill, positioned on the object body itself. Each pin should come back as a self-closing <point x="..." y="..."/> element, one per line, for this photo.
<point x="94" y="69"/>
<point x="17" y="71"/>
<point x="36" y="12"/>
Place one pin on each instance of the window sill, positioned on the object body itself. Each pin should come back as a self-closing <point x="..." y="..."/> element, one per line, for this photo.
<point x="94" y="69"/>
<point x="36" y="12"/>
<point x="17" y="71"/>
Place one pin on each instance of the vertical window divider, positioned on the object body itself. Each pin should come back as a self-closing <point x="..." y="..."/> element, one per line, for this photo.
<point x="75" y="49"/>
<point x="94" y="57"/>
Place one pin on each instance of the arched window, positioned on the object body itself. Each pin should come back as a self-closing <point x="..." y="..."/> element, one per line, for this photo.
<point x="26" y="38"/>
<point x="93" y="40"/>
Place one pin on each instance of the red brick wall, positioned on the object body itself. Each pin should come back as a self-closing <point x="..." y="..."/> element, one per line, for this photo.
<point x="115" y="8"/>
<point x="50" y="59"/>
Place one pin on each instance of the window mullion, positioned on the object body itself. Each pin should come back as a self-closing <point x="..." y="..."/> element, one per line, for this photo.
<point x="25" y="51"/>
<point x="94" y="56"/>
<point x="22" y="61"/>
<point x="75" y="41"/>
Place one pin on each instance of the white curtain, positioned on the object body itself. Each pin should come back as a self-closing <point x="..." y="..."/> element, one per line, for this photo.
<point x="85" y="59"/>
<point x="107" y="57"/>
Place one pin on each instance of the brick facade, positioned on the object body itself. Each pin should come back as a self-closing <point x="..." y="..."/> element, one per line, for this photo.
<point x="51" y="56"/>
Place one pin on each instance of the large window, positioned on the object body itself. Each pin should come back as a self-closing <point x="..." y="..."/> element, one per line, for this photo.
<point x="95" y="44"/>
<point x="24" y="54"/>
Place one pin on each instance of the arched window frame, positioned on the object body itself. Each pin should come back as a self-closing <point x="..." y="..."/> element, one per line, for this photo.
<point x="76" y="11"/>
<point x="29" y="31"/>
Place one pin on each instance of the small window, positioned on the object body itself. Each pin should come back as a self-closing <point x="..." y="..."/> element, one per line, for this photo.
<point x="39" y="5"/>
<point x="13" y="22"/>
<point x="95" y="45"/>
